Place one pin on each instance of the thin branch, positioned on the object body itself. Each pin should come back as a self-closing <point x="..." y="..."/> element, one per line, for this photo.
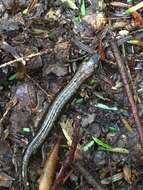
<point x="87" y="176"/>
<point x="26" y="58"/>
<point x="124" y="76"/>
<point x="49" y="96"/>
<point x="9" y="106"/>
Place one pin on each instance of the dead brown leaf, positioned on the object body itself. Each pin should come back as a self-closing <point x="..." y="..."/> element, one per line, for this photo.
<point x="58" y="69"/>
<point x="127" y="174"/>
<point x="137" y="18"/>
<point x="49" y="169"/>
<point x="68" y="128"/>
<point x="5" y="180"/>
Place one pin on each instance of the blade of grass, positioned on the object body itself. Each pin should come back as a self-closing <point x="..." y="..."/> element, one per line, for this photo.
<point x="101" y="143"/>
<point x="103" y="106"/>
<point x="134" y="8"/>
<point x="12" y="77"/>
<point x="87" y="146"/>
<point x="82" y="8"/>
<point x="108" y="147"/>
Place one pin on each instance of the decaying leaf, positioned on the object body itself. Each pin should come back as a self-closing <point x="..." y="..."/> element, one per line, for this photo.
<point x="96" y="21"/>
<point x="21" y="71"/>
<point x="112" y="179"/>
<point x="88" y="119"/>
<point x="58" y="69"/>
<point x="101" y="51"/>
<point x="5" y="180"/>
<point x="67" y="128"/>
<point x="126" y="125"/>
<point x="49" y="170"/>
<point x="100" y="21"/>
<point x="127" y="174"/>
<point x="137" y="18"/>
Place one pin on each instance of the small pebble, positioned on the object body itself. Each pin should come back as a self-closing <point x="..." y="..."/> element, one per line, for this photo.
<point x="123" y="32"/>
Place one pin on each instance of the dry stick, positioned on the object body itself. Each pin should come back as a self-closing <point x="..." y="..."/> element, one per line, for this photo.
<point x="87" y="176"/>
<point x="124" y="76"/>
<point x="26" y="57"/>
<point x="67" y="163"/>
<point x="49" y="96"/>
<point x="9" y="105"/>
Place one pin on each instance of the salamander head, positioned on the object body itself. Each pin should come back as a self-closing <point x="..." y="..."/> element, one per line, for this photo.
<point x="89" y="66"/>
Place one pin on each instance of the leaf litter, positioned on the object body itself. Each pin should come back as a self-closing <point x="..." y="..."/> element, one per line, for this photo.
<point x="42" y="44"/>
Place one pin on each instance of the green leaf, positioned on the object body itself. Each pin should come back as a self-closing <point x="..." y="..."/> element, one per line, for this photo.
<point x="101" y="143"/>
<point x="87" y="146"/>
<point x="105" y="107"/>
<point x="112" y="129"/>
<point x="77" y="18"/>
<point x="12" y="77"/>
<point x="82" y="8"/>
<point x="134" y="8"/>
<point x="108" y="147"/>
<point x="92" y="82"/>
<point x="104" y="146"/>
<point x="78" y="101"/>
<point x="26" y="129"/>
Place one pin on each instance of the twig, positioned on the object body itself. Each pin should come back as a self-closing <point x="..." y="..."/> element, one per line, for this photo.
<point x="124" y="76"/>
<point x="82" y="46"/>
<point x="26" y="58"/>
<point x="88" y="177"/>
<point x="49" y="96"/>
<point x="9" y="105"/>
<point x="22" y="59"/>
<point x="67" y="163"/>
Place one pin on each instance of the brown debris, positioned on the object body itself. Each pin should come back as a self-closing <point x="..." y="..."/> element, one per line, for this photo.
<point x="5" y="180"/>
<point x="67" y="163"/>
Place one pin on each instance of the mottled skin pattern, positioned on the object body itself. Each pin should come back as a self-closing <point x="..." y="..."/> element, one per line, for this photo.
<point x="84" y="71"/>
